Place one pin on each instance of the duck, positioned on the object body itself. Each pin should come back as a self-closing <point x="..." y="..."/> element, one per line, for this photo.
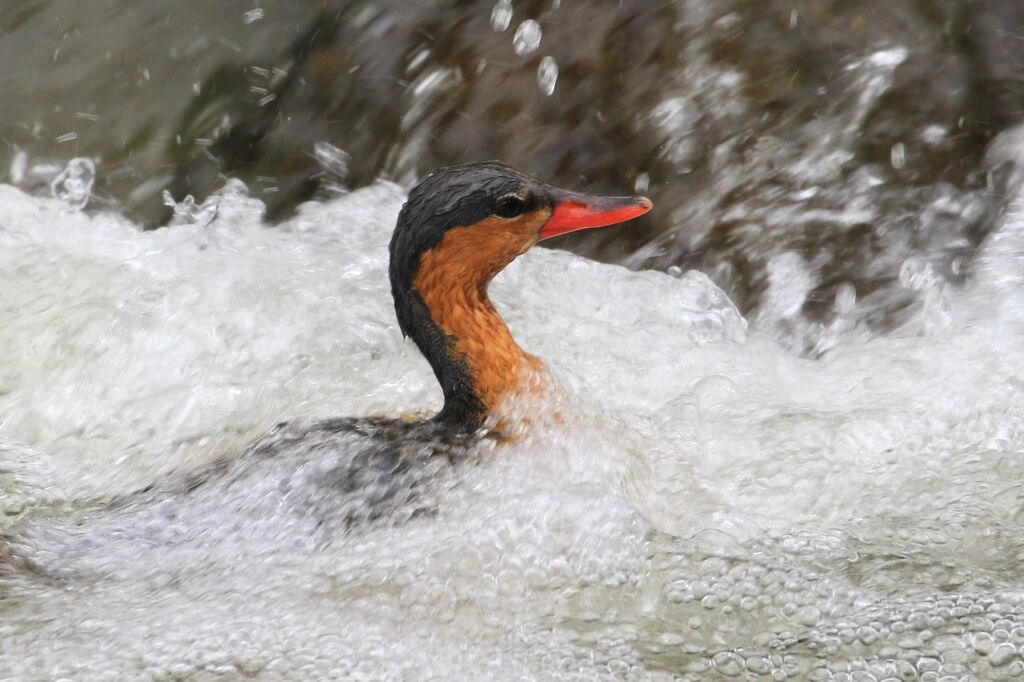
<point x="460" y="226"/>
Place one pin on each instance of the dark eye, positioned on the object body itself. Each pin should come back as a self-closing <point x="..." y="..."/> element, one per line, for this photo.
<point x="510" y="206"/>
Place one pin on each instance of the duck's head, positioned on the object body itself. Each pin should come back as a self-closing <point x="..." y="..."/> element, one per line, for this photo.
<point x="458" y="229"/>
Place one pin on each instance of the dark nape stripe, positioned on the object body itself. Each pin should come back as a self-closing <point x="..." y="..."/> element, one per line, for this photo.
<point x="461" y="404"/>
<point x="451" y="197"/>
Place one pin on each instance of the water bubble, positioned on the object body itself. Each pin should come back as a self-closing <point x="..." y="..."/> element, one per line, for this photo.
<point x="74" y="184"/>
<point x="759" y="665"/>
<point x="728" y="663"/>
<point x="527" y="37"/>
<point x="547" y="75"/>
<point x="1001" y="655"/>
<point x="501" y="15"/>
<point x="867" y="635"/>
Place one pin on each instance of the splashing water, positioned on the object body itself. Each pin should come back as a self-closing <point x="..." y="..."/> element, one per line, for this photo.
<point x="74" y="184"/>
<point x="706" y="501"/>
<point x="332" y="159"/>
<point x="18" y="166"/>
<point x="188" y="212"/>
<point x="253" y="15"/>
<point x="335" y="164"/>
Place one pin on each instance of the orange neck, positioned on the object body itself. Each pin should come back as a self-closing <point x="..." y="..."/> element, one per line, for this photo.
<point x="452" y="281"/>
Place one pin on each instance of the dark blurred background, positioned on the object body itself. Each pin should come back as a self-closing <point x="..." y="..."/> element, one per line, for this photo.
<point x="801" y="152"/>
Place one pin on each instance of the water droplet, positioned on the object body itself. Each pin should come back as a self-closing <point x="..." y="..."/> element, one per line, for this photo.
<point x="899" y="155"/>
<point x="846" y="298"/>
<point x="890" y="58"/>
<point x="642" y="184"/>
<point x="794" y="18"/>
<point x="253" y="15"/>
<point x="675" y="271"/>
<point x="18" y="165"/>
<point x="790" y="281"/>
<point x="934" y="135"/>
<point x="501" y="15"/>
<point x="527" y="37"/>
<point x="74" y="184"/>
<point x="547" y="75"/>
<point x="729" y="663"/>
<point x="417" y="60"/>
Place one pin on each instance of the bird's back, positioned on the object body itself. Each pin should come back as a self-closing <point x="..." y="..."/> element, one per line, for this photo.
<point x="304" y="482"/>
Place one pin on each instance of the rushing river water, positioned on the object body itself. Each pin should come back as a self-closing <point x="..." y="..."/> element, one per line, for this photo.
<point x="707" y="503"/>
<point x="793" y="451"/>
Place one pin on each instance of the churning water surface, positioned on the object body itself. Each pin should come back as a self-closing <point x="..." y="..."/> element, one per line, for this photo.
<point x="707" y="502"/>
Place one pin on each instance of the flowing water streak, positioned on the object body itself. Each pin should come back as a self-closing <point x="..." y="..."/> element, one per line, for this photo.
<point x="702" y="499"/>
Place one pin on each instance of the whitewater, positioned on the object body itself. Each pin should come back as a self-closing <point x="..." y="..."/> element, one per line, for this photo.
<point x="707" y="504"/>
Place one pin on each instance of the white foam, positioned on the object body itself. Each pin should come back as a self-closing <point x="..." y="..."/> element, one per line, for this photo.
<point x="706" y="499"/>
